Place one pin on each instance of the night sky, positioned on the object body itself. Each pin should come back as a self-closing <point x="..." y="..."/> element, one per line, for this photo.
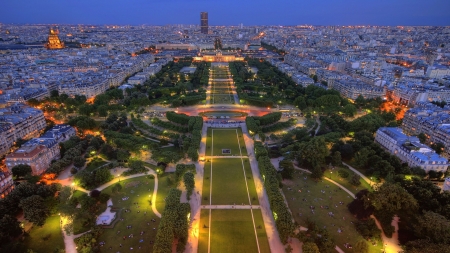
<point x="227" y="12"/>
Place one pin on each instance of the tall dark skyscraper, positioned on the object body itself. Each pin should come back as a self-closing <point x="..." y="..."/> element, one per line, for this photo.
<point x="204" y="22"/>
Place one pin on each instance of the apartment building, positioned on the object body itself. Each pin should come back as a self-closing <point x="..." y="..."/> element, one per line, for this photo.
<point x="38" y="157"/>
<point x="6" y="183"/>
<point x="408" y="149"/>
<point x="19" y="121"/>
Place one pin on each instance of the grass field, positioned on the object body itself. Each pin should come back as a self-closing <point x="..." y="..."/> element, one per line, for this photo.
<point x="232" y="231"/>
<point x="138" y="190"/>
<point x="321" y="195"/>
<point x="46" y="238"/>
<point x="221" y="92"/>
<point x="163" y="191"/>
<point x="345" y="181"/>
<point x="225" y="139"/>
<point x="228" y="183"/>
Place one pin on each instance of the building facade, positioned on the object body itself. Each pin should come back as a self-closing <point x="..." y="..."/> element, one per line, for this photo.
<point x="19" y="121"/>
<point x="409" y="150"/>
<point x="6" y="183"/>
<point x="204" y="22"/>
<point x="38" y="157"/>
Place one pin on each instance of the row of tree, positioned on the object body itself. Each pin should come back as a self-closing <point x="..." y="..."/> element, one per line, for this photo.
<point x="168" y="125"/>
<point x="272" y="180"/>
<point x="174" y="224"/>
<point x="279" y="126"/>
<point x="255" y="123"/>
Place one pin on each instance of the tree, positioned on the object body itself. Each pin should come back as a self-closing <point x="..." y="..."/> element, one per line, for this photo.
<point x="189" y="183"/>
<point x="300" y="102"/>
<point x="314" y="152"/>
<point x="355" y="180"/>
<point x="54" y="94"/>
<point x="336" y="159"/>
<point x="433" y="226"/>
<point x="102" y="111"/>
<point x="349" y="110"/>
<point x="21" y="170"/>
<point x="438" y="147"/>
<point x="34" y="209"/>
<point x="79" y="161"/>
<point x="310" y="247"/>
<point x="416" y="170"/>
<point x="287" y="169"/>
<point x="422" y="137"/>
<point x="9" y="228"/>
<point x="391" y="198"/>
<point x="361" y="247"/>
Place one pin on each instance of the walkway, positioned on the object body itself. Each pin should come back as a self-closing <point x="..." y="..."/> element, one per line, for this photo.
<point x="230" y="207"/>
<point x="195" y="202"/>
<point x="219" y="156"/>
<point x="370" y="182"/>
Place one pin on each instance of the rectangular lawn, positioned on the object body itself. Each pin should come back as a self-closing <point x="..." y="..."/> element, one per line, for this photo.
<point x="232" y="231"/>
<point x="220" y="139"/>
<point x="228" y="182"/>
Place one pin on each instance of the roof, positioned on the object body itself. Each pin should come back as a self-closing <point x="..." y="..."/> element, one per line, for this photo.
<point x="27" y="152"/>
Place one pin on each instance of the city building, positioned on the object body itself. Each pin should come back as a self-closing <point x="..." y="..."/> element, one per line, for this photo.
<point x="53" y="41"/>
<point x="38" y="157"/>
<point x="6" y="183"/>
<point x="204" y="22"/>
<point x="431" y="120"/>
<point x="19" y="121"/>
<point x="409" y="150"/>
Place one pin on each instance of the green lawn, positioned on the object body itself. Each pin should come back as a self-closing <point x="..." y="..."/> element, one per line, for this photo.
<point x="163" y="191"/>
<point x="311" y="195"/>
<point x="345" y="181"/>
<point x="46" y="238"/>
<point x="139" y="191"/>
<point x="228" y="182"/>
<point x="219" y="139"/>
<point x="232" y="231"/>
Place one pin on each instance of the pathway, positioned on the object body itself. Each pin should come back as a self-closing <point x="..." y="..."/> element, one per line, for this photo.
<point x="219" y="156"/>
<point x="370" y="182"/>
<point x="230" y="207"/>
<point x="195" y="202"/>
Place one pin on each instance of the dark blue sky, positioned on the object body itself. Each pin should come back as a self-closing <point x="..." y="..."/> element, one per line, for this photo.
<point x="228" y="12"/>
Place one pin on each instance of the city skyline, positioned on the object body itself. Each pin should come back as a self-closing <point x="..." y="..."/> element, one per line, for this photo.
<point x="324" y="12"/>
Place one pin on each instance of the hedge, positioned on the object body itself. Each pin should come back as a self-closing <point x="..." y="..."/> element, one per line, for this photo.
<point x="282" y="215"/>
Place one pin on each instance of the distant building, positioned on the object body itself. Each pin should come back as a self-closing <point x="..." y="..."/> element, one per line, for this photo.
<point x="53" y="40"/>
<point x="410" y="150"/>
<point x="204" y="22"/>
